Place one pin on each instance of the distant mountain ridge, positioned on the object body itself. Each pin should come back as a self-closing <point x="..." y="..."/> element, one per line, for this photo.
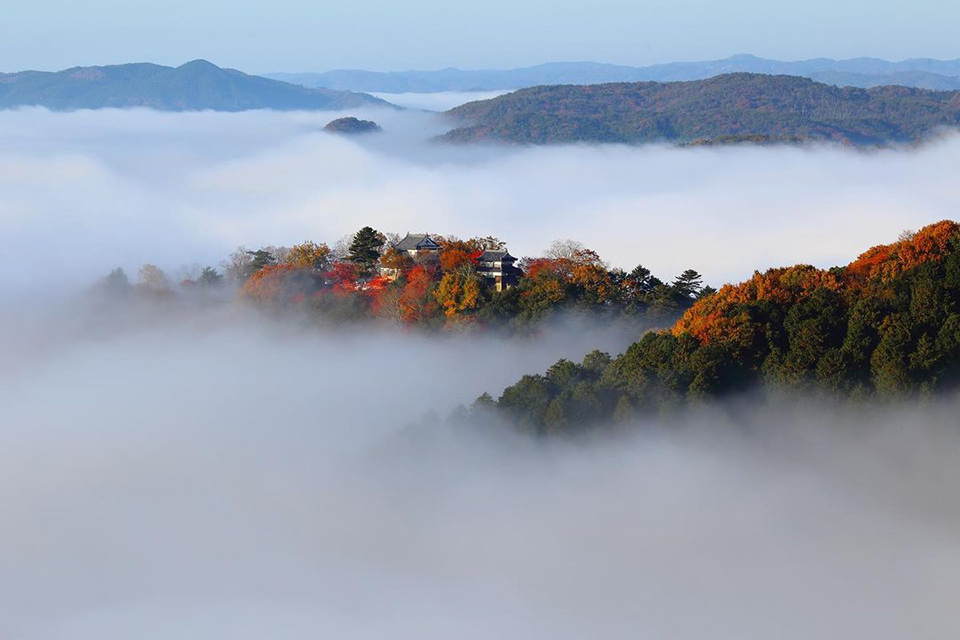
<point x="728" y="108"/>
<point x="922" y="73"/>
<point x="194" y="86"/>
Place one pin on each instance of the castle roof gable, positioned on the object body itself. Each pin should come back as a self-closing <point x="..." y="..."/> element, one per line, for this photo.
<point x="416" y="242"/>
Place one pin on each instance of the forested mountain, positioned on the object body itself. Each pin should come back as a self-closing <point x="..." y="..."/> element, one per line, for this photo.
<point x="352" y="126"/>
<point x="729" y="107"/>
<point x="197" y="85"/>
<point x="859" y="72"/>
<point x="886" y="325"/>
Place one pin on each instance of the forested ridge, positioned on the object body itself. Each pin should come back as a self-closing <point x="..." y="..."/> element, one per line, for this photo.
<point x="732" y="107"/>
<point x="884" y="326"/>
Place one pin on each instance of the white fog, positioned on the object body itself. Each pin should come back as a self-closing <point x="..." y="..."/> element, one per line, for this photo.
<point x="231" y="479"/>
<point x="99" y="189"/>
<point x="216" y="474"/>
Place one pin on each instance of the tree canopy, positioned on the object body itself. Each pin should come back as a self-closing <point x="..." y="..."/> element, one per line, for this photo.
<point x="728" y="109"/>
<point x="887" y="325"/>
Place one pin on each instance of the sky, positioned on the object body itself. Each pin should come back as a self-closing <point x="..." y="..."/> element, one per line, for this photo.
<point x="302" y="35"/>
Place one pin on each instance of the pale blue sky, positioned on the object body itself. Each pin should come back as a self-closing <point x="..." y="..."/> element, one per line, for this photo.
<point x="304" y="35"/>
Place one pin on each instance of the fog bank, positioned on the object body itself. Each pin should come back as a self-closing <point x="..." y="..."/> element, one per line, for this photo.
<point x="85" y="192"/>
<point x="196" y="471"/>
<point x="219" y="477"/>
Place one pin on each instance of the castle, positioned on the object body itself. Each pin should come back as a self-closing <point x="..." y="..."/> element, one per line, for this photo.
<point x="496" y="266"/>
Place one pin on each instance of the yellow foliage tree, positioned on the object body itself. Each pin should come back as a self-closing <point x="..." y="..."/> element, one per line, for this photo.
<point x="309" y="255"/>
<point x="458" y="292"/>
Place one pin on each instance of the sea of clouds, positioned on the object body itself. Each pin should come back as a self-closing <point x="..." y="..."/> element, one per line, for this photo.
<point x="217" y="476"/>
<point x="203" y="472"/>
<point x="87" y="191"/>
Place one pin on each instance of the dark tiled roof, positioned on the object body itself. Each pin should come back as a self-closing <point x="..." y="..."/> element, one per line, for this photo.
<point x="416" y="242"/>
<point x="495" y="256"/>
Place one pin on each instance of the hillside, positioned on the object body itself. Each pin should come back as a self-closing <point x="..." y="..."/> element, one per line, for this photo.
<point x="886" y="325"/>
<point x="859" y="72"/>
<point x="352" y="126"/>
<point x="194" y="86"/>
<point x="730" y="106"/>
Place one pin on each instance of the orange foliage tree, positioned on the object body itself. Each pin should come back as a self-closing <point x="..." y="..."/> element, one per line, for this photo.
<point x="887" y="261"/>
<point x="722" y="317"/>
<point x="279" y="283"/>
<point x="416" y="301"/>
<point x="343" y="277"/>
<point x="586" y="270"/>
<point x="581" y="267"/>
<point x="454" y="253"/>
<point x="533" y="266"/>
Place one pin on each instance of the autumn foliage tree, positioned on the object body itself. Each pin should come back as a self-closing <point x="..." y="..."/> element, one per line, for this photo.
<point x="309" y="255"/>
<point x="588" y="273"/>
<point x="885" y="262"/>
<point x="417" y="302"/>
<point x="456" y="253"/>
<point x="280" y="284"/>
<point x="396" y="261"/>
<point x="343" y="277"/>
<point x="151" y="279"/>
<point x="459" y="292"/>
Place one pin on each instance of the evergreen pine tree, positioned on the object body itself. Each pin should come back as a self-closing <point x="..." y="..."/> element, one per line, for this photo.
<point x="688" y="284"/>
<point x="365" y="249"/>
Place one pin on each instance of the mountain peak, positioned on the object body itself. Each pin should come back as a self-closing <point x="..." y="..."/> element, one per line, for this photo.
<point x="199" y="65"/>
